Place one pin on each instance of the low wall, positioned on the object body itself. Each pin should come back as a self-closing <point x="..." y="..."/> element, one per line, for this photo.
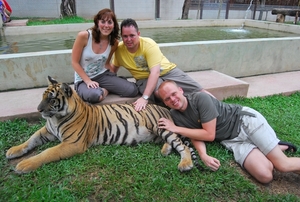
<point x="237" y="58"/>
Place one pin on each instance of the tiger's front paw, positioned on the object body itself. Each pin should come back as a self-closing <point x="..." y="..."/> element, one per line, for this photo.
<point x="27" y="166"/>
<point x="15" y="151"/>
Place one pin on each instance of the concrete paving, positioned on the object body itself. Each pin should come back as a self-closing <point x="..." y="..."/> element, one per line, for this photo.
<point x="23" y="103"/>
<point x="283" y="83"/>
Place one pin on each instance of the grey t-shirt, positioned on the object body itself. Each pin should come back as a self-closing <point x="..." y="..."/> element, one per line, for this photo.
<point x="203" y="108"/>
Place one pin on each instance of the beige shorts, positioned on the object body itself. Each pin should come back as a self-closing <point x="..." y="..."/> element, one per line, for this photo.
<point x="255" y="132"/>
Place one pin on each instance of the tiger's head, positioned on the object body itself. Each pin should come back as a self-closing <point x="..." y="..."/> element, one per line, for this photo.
<point x="55" y="99"/>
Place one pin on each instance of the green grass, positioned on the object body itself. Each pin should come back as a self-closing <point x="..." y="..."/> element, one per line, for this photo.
<point x="122" y="173"/>
<point x="292" y="22"/>
<point x="65" y="20"/>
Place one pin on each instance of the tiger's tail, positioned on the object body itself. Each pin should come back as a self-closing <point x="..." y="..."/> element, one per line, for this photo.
<point x="195" y="157"/>
<point x="196" y="160"/>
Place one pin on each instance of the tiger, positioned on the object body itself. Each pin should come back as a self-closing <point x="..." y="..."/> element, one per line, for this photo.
<point x="79" y="125"/>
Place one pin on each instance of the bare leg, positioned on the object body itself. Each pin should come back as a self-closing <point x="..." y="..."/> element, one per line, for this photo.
<point x="283" y="163"/>
<point x="259" y="166"/>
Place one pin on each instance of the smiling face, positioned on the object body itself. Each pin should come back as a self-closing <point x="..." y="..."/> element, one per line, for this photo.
<point x="106" y="26"/>
<point x="130" y="37"/>
<point x="172" y="95"/>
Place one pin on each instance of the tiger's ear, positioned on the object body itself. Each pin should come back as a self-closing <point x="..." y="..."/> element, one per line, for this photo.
<point x="51" y="81"/>
<point x="66" y="89"/>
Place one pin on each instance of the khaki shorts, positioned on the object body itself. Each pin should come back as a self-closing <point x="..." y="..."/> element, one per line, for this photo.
<point x="255" y="132"/>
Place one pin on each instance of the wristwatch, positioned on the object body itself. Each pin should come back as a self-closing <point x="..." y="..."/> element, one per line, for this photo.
<point x="145" y="97"/>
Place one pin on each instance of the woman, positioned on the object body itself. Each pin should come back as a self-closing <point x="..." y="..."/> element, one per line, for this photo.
<point x="91" y="56"/>
<point x="5" y="11"/>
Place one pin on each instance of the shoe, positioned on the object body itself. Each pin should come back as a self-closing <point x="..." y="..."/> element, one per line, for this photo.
<point x="291" y="147"/>
<point x="104" y="94"/>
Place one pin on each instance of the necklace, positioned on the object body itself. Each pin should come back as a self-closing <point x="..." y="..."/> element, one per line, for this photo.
<point x="103" y="43"/>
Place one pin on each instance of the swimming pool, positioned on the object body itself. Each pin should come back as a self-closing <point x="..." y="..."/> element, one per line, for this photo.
<point x="62" y="41"/>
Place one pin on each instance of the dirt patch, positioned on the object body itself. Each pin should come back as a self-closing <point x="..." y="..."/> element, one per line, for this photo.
<point x="283" y="183"/>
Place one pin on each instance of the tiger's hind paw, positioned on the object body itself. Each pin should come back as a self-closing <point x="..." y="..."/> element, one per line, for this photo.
<point x="166" y="149"/>
<point x="185" y="165"/>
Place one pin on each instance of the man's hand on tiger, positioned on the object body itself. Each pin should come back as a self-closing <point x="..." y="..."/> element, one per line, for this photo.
<point x="140" y="104"/>
<point x="166" y="124"/>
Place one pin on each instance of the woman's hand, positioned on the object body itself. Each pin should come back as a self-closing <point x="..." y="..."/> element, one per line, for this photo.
<point x="92" y="84"/>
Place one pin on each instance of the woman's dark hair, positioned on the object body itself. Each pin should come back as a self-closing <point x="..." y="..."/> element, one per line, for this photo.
<point x="103" y="15"/>
<point x="129" y="22"/>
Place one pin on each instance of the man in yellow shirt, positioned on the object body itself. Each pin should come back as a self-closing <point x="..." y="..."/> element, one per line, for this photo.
<point x="142" y="57"/>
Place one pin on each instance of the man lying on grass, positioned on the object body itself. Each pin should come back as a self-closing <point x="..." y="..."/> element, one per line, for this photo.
<point x="240" y="129"/>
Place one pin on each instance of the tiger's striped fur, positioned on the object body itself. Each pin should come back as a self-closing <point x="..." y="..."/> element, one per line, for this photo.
<point x="79" y="125"/>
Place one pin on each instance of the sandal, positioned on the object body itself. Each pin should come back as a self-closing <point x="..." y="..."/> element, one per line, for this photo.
<point x="291" y="147"/>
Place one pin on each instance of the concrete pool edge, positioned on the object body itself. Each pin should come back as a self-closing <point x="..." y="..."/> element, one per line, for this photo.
<point x="21" y="30"/>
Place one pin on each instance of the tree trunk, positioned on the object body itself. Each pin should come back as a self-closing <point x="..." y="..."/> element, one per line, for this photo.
<point x="261" y="12"/>
<point x="68" y="8"/>
<point x="185" y="9"/>
<point x="220" y="8"/>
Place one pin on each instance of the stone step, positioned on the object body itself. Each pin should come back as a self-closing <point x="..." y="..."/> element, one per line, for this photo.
<point x="23" y="103"/>
<point x="220" y="85"/>
<point x="16" y="23"/>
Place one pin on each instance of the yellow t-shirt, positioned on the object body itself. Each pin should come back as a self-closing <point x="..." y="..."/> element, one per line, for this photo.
<point x="139" y="63"/>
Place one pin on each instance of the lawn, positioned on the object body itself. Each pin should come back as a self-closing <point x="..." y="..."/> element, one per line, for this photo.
<point x="141" y="173"/>
<point x="65" y="20"/>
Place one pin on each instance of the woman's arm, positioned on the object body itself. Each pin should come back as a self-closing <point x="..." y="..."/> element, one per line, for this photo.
<point x="108" y="64"/>
<point x="78" y="46"/>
